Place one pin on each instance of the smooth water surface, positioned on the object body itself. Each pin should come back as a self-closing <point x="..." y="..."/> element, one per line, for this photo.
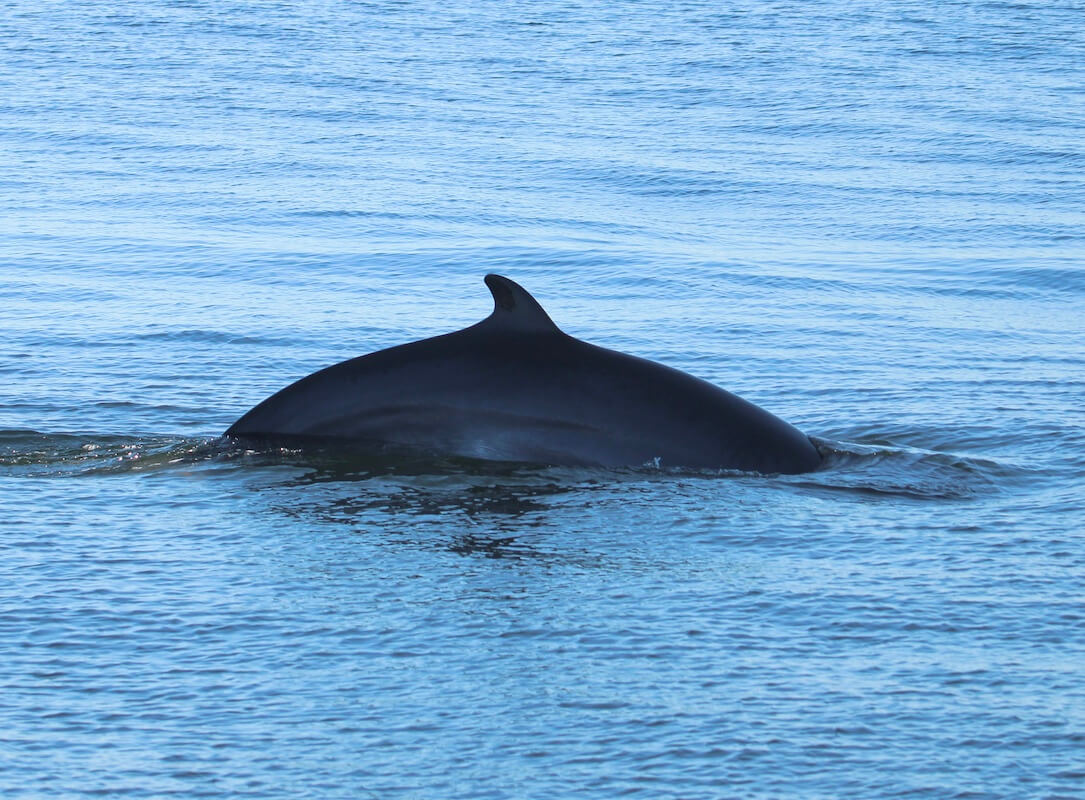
<point x="867" y="218"/>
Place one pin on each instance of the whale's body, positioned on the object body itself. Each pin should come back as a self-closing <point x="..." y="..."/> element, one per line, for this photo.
<point x="516" y="388"/>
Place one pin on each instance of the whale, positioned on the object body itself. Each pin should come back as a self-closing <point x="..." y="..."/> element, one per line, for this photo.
<point x="516" y="388"/>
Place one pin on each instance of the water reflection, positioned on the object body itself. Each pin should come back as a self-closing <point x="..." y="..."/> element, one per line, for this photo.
<point x="473" y="501"/>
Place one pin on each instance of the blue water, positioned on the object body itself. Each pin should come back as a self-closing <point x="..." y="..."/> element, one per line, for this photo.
<point x="867" y="218"/>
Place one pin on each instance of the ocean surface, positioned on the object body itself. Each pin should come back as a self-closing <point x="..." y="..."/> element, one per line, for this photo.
<point x="867" y="218"/>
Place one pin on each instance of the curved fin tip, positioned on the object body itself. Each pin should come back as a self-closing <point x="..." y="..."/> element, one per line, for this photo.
<point x="514" y="307"/>
<point x="504" y="298"/>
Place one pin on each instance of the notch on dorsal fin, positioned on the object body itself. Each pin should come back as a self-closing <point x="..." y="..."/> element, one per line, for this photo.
<point x="515" y="309"/>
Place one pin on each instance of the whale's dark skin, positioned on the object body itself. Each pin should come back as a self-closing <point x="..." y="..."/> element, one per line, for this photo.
<point x="515" y="388"/>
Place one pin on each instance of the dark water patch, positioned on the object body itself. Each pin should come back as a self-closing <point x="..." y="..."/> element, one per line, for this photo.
<point x="508" y="217"/>
<point x="1069" y="279"/>
<point x="350" y="214"/>
<point x="49" y="289"/>
<point x="197" y="336"/>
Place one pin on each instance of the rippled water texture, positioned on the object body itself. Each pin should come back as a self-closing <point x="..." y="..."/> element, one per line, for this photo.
<point x="866" y="218"/>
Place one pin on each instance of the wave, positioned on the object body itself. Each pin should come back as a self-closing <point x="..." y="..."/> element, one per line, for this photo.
<point x="28" y="453"/>
<point x="892" y="469"/>
<point x="880" y="468"/>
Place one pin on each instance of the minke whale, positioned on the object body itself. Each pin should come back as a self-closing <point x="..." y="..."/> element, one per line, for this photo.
<point x="514" y="387"/>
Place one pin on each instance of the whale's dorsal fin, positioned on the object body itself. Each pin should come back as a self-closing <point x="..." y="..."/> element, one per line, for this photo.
<point x="515" y="309"/>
